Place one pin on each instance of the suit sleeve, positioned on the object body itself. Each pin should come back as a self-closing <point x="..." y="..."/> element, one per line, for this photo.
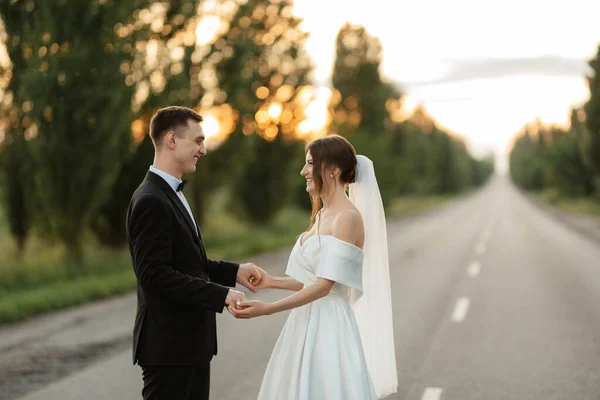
<point x="223" y="272"/>
<point x="151" y="226"/>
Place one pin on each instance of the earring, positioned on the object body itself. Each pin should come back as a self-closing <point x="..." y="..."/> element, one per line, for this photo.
<point x="331" y="176"/>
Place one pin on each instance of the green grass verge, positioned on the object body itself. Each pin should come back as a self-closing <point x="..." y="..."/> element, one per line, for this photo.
<point x="411" y="205"/>
<point x="580" y="205"/>
<point x="41" y="282"/>
<point x="18" y="305"/>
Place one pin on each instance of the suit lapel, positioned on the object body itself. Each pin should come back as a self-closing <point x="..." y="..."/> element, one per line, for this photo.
<point x="199" y="234"/>
<point x="188" y="219"/>
<point x="183" y="210"/>
<point x="178" y="203"/>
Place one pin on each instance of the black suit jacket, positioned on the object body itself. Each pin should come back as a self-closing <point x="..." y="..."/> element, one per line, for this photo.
<point x="179" y="289"/>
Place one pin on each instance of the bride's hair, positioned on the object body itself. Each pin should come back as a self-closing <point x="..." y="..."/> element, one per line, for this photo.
<point x="330" y="151"/>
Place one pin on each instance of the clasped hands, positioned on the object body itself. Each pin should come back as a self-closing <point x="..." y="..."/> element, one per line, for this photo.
<point x="254" y="278"/>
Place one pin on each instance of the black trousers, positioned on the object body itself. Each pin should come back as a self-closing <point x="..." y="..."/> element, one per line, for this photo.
<point x="176" y="382"/>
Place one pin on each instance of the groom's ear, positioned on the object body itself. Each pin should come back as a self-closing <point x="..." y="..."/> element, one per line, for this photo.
<point x="170" y="139"/>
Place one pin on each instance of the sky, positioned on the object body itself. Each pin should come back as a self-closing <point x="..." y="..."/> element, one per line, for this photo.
<point x="481" y="68"/>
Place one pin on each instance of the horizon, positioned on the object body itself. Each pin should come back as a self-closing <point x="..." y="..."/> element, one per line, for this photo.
<point x="525" y="62"/>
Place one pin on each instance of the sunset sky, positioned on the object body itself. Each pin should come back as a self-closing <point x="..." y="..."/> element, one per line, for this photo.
<point x="481" y="68"/>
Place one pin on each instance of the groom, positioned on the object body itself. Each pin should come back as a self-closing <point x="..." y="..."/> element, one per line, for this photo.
<point x="179" y="290"/>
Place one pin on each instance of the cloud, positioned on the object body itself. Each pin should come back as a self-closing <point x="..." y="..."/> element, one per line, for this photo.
<point x="464" y="70"/>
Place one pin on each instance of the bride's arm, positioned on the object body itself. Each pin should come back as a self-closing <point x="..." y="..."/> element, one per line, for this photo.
<point x="284" y="282"/>
<point x="344" y="228"/>
<point x="249" y="309"/>
<point x="277" y="282"/>
<point x="307" y="295"/>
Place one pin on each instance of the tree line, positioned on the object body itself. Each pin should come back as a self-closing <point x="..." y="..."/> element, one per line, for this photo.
<point x="564" y="159"/>
<point x="84" y="78"/>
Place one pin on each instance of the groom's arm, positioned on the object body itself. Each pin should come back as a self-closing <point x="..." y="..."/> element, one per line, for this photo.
<point x="223" y="272"/>
<point x="151" y="235"/>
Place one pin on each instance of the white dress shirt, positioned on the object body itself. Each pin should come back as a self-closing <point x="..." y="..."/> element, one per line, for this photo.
<point x="174" y="183"/>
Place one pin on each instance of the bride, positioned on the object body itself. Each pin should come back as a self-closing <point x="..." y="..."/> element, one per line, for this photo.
<point x="337" y="343"/>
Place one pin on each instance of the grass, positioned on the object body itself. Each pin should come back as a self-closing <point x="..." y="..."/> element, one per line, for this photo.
<point x="247" y="241"/>
<point x="17" y="305"/>
<point x="40" y="282"/>
<point x="410" y="205"/>
<point x="580" y="205"/>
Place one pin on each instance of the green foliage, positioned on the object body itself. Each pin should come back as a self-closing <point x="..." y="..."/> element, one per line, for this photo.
<point x="566" y="168"/>
<point x="69" y="55"/>
<point x="379" y="151"/>
<point x="86" y="77"/>
<point x="411" y="157"/>
<point x="78" y="66"/>
<point x="424" y="160"/>
<point x="549" y="157"/>
<point x="15" y="186"/>
<point x="108" y="223"/>
<point x="262" y="162"/>
<point x="17" y="181"/>
<point x="567" y="162"/>
<point x="526" y="163"/>
<point x="592" y="112"/>
<point x="482" y="169"/>
<point x="357" y="77"/>
<point x="264" y="186"/>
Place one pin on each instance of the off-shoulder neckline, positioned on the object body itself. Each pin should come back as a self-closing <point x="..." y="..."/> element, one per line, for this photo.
<point x="323" y="235"/>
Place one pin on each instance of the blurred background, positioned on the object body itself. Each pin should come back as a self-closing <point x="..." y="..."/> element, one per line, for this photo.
<point x="442" y="96"/>
<point x="81" y="80"/>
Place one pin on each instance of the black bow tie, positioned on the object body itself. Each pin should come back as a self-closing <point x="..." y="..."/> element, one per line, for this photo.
<point x="181" y="185"/>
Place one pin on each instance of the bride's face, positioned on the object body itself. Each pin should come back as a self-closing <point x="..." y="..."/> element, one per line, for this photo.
<point x="307" y="173"/>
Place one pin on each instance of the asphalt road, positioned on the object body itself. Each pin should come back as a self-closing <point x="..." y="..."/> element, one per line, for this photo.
<point x="493" y="298"/>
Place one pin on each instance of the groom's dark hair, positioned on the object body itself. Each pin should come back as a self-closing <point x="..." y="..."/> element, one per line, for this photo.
<point x="169" y="118"/>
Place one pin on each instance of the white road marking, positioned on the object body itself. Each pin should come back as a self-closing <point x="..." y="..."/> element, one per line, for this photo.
<point x="460" y="309"/>
<point x="432" y="393"/>
<point x="474" y="269"/>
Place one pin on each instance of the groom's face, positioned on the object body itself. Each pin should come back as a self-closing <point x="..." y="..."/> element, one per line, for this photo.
<point x="190" y="146"/>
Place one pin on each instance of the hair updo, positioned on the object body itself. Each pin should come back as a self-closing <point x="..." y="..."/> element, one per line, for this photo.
<point x="331" y="151"/>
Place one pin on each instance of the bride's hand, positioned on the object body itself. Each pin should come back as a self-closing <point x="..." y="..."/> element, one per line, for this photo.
<point x="250" y="309"/>
<point x="266" y="279"/>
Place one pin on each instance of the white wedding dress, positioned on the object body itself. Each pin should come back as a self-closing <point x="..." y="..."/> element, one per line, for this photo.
<point x="341" y="346"/>
<point x="319" y="354"/>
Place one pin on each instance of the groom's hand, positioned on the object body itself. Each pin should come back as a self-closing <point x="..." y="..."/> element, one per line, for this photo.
<point x="234" y="299"/>
<point x="249" y="276"/>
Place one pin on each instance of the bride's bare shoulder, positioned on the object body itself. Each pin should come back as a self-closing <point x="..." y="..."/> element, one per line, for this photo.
<point x="348" y="226"/>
